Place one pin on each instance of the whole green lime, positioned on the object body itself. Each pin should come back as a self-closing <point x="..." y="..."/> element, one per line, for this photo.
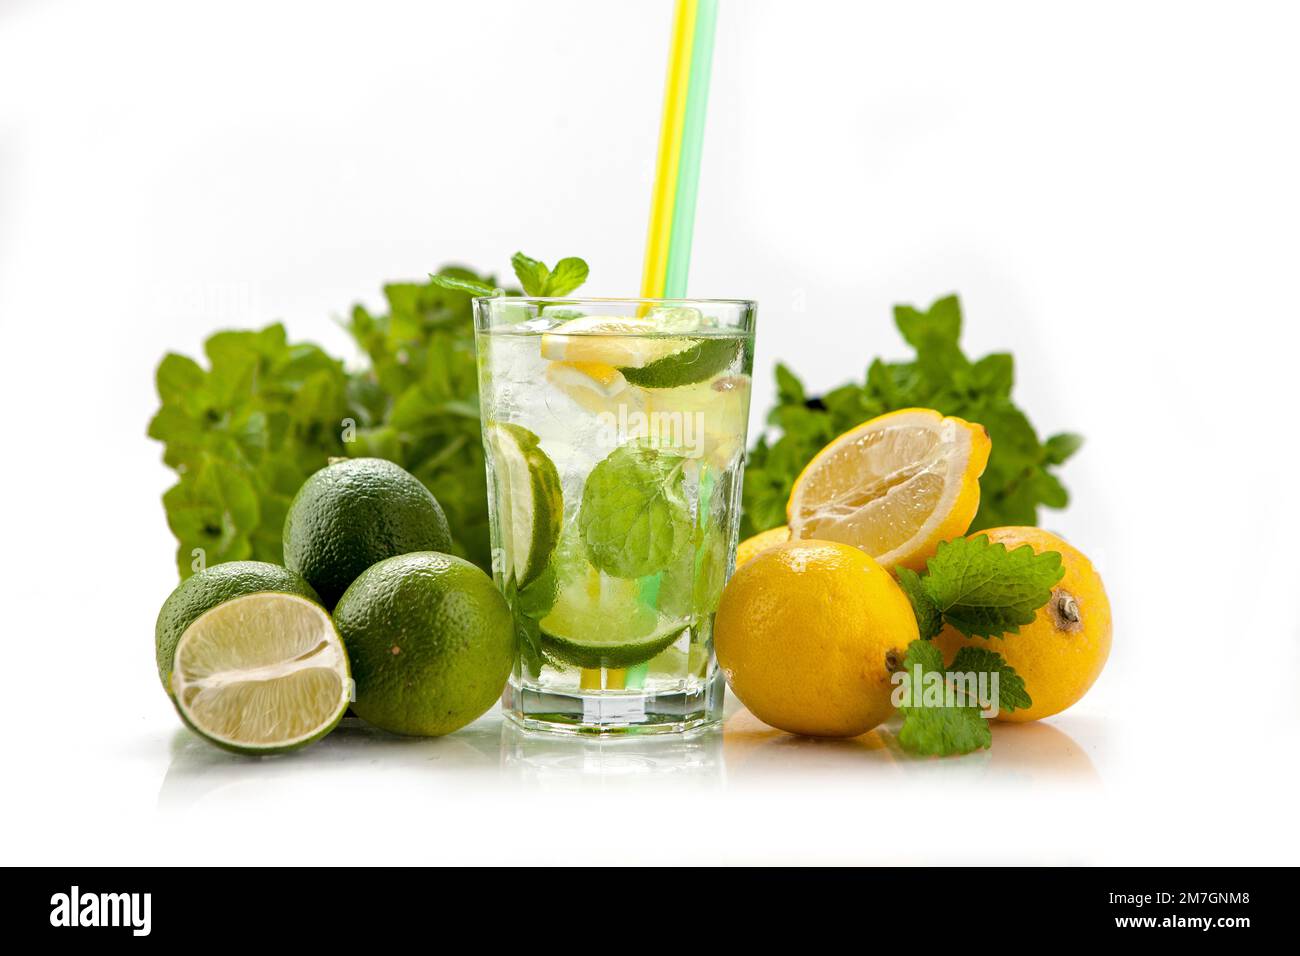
<point x="431" y="642"/>
<point x="353" y="513"/>
<point x="212" y="586"/>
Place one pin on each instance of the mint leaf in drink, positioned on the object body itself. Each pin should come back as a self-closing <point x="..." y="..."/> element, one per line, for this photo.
<point x="540" y="281"/>
<point x="538" y="596"/>
<point x="984" y="590"/>
<point x="930" y="726"/>
<point x="1011" y="686"/>
<point x="929" y="619"/>
<point x="567" y="275"/>
<point x="634" y="518"/>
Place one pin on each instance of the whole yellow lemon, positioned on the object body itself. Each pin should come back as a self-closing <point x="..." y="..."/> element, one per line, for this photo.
<point x="751" y="547"/>
<point x="1061" y="654"/>
<point x="807" y="633"/>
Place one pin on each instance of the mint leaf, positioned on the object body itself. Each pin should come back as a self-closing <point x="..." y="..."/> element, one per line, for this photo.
<point x="242" y="435"/>
<point x="468" y="286"/>
<point x="931" y="727"/>
<point x="788" y="386"/>
<point x="984" y="590"/>
<point x="929" y="620"/>
<point x="634" y="518"/>
<point x="1060" y="447"/>
<point x="538" y="596"/>
<point x="538" y="280"/>
<point x="940" y="325"/>
<point x="532" y="274"/>
<point x="1011" y="686"/>
<point x="567" y="275"/>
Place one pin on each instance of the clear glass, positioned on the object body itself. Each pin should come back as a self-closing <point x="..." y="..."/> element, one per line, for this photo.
<point x="614" y="432"/>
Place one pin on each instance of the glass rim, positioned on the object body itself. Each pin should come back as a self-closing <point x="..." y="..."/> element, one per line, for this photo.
<point x="635" y="300"/>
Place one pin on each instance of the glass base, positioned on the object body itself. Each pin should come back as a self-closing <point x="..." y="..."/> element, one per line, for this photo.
<point x="604" y="713"/>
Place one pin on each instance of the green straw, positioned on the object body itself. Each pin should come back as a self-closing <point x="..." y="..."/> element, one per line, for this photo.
<point x="683" y="222"/>
<point x="688" y="170"/>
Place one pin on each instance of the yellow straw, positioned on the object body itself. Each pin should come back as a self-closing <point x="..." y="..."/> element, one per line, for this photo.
<point x="670" y="149"/>
<point x="663" y="200"/>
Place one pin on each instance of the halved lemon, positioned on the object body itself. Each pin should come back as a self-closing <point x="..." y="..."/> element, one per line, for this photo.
<point x="894" y="486"/>
<point x="261" y="674"/>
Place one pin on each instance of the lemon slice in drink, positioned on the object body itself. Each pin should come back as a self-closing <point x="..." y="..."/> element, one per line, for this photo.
<point x="261" y="674"/>
<point x="894" y="486"/>
<point x="530" y="502"/>
<point x="595" y="387"/>
<point x="640" y="350"/>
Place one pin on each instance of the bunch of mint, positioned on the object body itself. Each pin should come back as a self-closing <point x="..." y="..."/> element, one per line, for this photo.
<point x="244" y="433"/>
<point x="980" y="589"/>
<point x="1019" y="476"/>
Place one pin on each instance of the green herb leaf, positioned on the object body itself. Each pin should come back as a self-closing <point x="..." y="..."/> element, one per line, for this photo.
<point x="634" y="518"/>
<point x="929" y="619"/>
<point x="468" y="286"/>
<point x="984" y="590"/>
<point x="539" y="280"/>
<point x="935" y="729"/>
<point x="242" y="435"/>
<point x="567" y="275"/>
<point x="1060" y="447"/>
<point x="532" y="274"/>
<point x="538" y="597"/>
<point x="1012" y="694"/>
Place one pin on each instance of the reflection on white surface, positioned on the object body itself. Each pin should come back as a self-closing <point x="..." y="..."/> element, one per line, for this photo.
<point x="492" y="755"/>
<point x="550" y="760"/>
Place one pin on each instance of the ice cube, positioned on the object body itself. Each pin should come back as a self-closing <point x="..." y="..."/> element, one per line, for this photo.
<point x="675" y="319"/>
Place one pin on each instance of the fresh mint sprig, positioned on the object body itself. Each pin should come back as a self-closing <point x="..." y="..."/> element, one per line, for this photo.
<point x="535" y="278"/>
<point x="540" y="282"/>
<point x="938" y="730"/>
<point x="982" y="589"/>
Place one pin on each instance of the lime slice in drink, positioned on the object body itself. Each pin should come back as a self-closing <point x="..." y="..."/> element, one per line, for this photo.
<point x="695" y="360"/>
<point x="261" y="674"/>
<point x="529" y="500"/>
<point x="598" y="621"/>
<point x="640" y="349"/>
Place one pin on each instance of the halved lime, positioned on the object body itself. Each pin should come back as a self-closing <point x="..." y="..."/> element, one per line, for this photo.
<point x="598" y="621"/>
<point x="530" y="503"/>
<point x="261" y="674"/>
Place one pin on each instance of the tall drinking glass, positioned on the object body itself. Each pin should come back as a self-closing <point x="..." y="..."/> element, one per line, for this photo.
<point x="615" y="439"/>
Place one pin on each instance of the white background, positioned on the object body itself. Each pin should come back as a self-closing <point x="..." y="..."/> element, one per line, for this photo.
<point x="1111" y="187"/>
